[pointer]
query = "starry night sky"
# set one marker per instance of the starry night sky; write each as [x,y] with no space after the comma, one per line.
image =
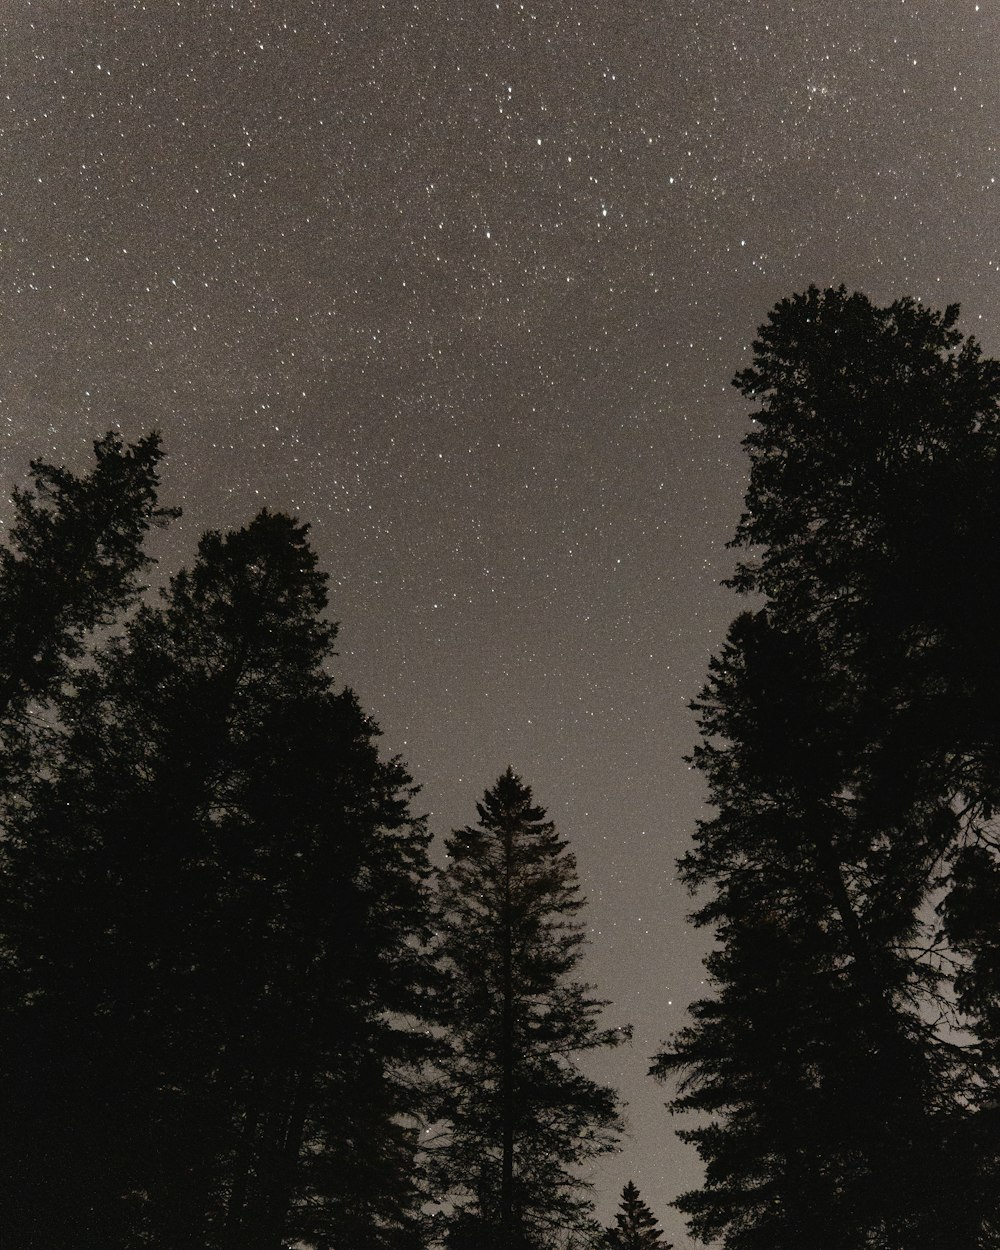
[463,284]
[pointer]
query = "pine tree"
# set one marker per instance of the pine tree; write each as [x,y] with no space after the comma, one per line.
[844,731]
[519,1114]
[216,905]
[73,554]
[635,1226]
[71,561]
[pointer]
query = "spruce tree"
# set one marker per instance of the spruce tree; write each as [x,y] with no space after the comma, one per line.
[635,1226]
[518,1113]
[845,744]
[215,906]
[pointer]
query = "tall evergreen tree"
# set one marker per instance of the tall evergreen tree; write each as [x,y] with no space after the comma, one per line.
[71,562]
[215,906]
[635,1226]
[844,736]
[520,1115]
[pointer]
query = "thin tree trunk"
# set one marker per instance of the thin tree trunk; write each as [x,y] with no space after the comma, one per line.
[507,1060]
[901,1086]
[278,1186]
[870,982]
[243,1166]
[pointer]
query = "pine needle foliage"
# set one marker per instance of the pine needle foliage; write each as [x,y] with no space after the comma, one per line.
[213,909]
[520,1117]
[635,1226]
[848,742]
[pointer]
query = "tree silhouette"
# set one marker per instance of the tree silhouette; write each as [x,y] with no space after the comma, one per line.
[215,904]
[73,554]
[72,557]
[518,1112]
[843,730]
[635,1226]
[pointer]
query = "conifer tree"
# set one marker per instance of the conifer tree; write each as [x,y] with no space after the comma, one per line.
[215,906]
[635,1226]
[71,561]
[845,741]
[519,1114]
[74,550]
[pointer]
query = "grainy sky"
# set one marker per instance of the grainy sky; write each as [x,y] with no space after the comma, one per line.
[463,284]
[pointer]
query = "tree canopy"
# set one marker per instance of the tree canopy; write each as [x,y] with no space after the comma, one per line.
[214,911]
[846,734]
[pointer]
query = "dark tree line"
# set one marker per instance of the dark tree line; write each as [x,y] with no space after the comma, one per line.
[231,1002]
[846,1064]
[239,1009]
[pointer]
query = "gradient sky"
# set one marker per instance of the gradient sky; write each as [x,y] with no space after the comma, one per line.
[463,284]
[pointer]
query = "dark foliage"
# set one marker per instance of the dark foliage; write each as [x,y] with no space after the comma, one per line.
[635,1226]
[71,561]
[518,1114]
[212,906]
[848,738]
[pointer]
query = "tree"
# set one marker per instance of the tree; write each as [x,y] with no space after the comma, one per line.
[71,562]
[635,1226]
[519,1115]
[215,906]
[844,740]
[73,554]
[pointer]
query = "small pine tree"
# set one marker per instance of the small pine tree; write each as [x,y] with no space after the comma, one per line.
[521,1116]
[635,1226]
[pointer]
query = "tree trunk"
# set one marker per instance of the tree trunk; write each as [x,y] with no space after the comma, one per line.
[268,1214]
[507,1058]
[243,1168]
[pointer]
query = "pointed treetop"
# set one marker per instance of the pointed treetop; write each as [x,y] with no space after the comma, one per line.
[510,797]
[635,1225]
